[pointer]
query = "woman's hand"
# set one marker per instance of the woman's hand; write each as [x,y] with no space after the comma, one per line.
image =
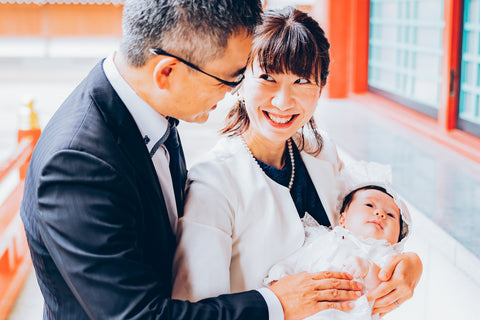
[305,294]
[400,277]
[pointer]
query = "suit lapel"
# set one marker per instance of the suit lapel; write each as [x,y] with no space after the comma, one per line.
[128,136]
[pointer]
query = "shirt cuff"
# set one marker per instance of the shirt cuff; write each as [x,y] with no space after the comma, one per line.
[275,310]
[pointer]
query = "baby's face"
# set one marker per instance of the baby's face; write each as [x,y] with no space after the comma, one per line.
[372,214]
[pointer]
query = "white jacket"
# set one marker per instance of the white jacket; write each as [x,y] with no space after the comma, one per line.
[238,222]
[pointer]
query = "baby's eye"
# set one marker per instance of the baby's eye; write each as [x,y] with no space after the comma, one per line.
[302,81]
[369,205]
[390,215]
[266,77]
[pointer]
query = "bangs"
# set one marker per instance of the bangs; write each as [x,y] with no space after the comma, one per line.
[289,49]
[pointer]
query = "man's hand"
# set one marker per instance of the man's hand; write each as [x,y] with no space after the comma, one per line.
[305,294]
[400,277]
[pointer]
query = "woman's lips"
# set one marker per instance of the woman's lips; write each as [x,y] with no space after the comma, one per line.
[278,120]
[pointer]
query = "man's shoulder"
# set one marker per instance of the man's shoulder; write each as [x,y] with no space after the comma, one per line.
[90,121]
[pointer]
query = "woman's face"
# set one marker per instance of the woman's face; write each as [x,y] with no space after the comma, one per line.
[278,104]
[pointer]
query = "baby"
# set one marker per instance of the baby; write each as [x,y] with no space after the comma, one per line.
[373,225]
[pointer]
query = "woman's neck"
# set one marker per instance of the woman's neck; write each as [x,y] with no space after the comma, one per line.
[269,152]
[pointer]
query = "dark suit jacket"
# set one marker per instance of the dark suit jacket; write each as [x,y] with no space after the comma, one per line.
[96,221]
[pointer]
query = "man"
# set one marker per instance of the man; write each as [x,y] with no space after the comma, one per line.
[105,184]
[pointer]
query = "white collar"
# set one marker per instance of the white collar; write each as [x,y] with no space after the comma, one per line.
[150,123]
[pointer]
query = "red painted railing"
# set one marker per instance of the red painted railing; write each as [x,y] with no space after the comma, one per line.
[15,261]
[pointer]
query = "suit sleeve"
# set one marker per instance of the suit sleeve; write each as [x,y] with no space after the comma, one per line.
[88,226]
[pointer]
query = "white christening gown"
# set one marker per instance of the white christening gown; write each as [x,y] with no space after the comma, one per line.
[330,250]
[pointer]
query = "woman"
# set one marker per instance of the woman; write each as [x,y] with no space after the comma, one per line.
[246,198]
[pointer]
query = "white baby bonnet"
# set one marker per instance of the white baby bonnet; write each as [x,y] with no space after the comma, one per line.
[360,174]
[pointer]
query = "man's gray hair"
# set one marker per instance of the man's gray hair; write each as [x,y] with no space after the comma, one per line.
[196,30]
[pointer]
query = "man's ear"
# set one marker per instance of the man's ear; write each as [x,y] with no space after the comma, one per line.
[341,219]
[163,72]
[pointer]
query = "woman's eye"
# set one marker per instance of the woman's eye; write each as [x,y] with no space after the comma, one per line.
[302,81]
[266,77]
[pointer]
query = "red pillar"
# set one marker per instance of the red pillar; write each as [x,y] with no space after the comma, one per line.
[447,115]
[360,17]
[346,25]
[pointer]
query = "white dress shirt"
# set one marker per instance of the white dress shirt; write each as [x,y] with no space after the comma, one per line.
[153,126]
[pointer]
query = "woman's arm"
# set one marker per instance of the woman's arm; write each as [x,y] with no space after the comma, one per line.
[201,266]
[400,277]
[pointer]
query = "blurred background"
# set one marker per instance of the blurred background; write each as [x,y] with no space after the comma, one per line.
[404,90]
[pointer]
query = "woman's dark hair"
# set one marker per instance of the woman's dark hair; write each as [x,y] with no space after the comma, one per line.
[349,198]
[288,41]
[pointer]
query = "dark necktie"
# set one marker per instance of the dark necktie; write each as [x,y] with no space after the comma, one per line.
[178,170]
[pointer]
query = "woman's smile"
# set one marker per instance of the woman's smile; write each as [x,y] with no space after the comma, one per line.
[278,120]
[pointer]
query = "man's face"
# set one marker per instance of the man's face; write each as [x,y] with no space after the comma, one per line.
[199,92]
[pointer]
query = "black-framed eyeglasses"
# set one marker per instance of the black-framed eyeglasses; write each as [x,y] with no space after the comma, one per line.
[231,84]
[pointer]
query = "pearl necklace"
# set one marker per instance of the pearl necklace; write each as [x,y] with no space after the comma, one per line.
[290,152]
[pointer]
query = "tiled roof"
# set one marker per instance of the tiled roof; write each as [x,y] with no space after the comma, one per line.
[40,2]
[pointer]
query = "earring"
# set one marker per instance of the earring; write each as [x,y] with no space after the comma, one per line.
[240,100]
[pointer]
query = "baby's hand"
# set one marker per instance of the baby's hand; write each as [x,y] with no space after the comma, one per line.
[362,268]
[358,267]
